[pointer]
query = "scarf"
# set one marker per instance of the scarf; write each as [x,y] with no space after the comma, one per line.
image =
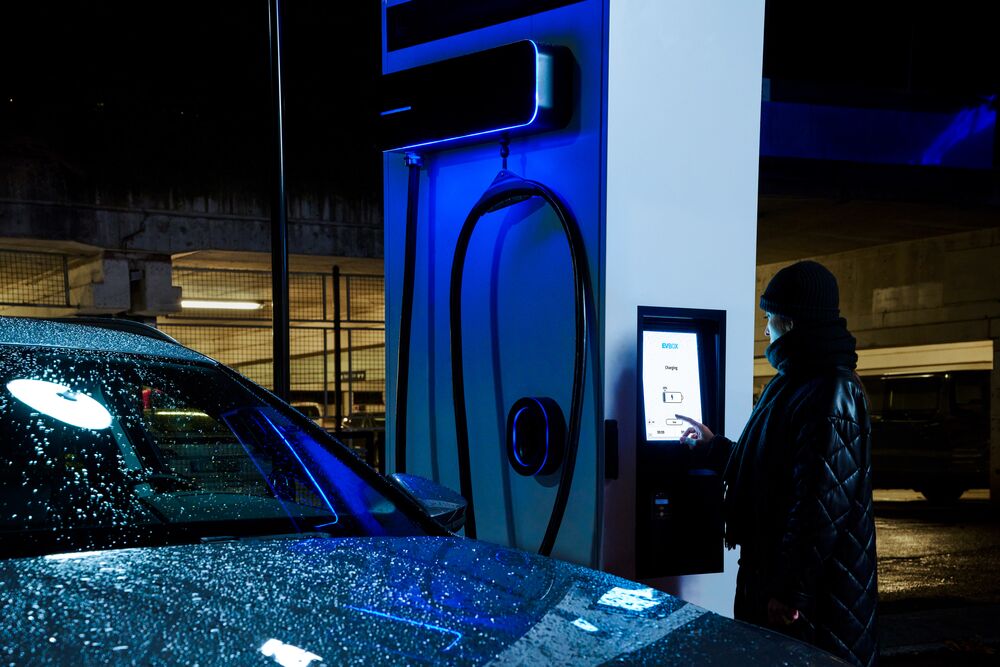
[811,348]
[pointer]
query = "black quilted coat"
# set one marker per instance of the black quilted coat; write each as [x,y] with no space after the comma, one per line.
[799,499]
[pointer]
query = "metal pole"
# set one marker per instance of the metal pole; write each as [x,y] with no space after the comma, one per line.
[326,360]
[337,349]
[326,377]
[65,268]
[279,215]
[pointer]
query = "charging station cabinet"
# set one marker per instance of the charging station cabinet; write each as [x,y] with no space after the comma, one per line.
[650,141]
[681,370]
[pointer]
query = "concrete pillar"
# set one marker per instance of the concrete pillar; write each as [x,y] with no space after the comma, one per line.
[113,283]
[153,292]
[99,286]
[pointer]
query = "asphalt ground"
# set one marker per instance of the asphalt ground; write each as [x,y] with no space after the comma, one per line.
[939,579]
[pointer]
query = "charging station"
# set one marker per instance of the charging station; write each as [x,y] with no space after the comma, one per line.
[563,178]
[681,371]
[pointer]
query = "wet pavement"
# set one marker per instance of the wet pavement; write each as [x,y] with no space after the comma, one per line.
[939,579]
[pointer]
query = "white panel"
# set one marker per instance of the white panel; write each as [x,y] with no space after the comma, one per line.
[684,82]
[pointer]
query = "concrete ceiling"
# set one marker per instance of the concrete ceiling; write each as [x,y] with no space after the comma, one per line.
[809,208]
[790,228]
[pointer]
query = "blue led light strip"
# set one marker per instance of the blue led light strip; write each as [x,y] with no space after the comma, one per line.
[545,459]
[397,110]
[458,635]
[264,475]
[514,437]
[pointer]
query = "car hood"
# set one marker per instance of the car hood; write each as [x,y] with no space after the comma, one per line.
[307,602]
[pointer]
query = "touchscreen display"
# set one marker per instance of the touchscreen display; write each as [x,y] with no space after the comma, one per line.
[671,382]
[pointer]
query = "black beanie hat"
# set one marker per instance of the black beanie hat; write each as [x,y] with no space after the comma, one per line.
[803,291]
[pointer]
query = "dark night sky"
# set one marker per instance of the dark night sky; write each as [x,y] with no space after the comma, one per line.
[154,91]
[139,94]
[896,53]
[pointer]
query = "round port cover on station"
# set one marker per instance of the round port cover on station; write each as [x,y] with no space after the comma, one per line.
[536,436]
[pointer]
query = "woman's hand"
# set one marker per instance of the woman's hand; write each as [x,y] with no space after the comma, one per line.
[779,613]
[696,434]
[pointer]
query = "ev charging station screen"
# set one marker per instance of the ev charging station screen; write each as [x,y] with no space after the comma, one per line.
[671,383]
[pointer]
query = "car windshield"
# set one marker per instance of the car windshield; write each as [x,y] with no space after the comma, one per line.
[912,398]
[103,450]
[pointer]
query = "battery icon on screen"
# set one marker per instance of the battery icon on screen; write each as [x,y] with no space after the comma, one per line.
[672,396]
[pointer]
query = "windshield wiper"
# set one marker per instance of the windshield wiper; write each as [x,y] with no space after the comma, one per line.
[209,539]
[162,482]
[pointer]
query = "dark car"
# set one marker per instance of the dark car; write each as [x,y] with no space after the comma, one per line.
[365,420]
[931,432]
[157,508]
[364,432]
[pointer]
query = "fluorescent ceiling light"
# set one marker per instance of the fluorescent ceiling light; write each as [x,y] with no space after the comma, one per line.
[221,305]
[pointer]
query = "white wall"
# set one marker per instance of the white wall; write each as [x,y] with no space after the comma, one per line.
[683,122]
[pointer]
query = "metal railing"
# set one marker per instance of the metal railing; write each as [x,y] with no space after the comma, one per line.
[336,340]
[33,279]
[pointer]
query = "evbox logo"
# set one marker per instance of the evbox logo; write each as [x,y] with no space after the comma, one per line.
[670,346]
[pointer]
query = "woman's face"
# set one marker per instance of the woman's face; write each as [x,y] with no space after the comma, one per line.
[775,326]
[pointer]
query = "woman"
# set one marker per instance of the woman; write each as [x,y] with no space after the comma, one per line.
[798,480]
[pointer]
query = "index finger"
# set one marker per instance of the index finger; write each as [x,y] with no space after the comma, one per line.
[687,419]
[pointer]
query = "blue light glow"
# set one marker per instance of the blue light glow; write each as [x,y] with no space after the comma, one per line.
[397,110]
[545,459]
[308,472]
[967,124]
[538,77]
[456,634]
[264,475]
[962,138]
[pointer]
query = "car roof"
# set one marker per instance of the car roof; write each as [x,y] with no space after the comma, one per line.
[127,338]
